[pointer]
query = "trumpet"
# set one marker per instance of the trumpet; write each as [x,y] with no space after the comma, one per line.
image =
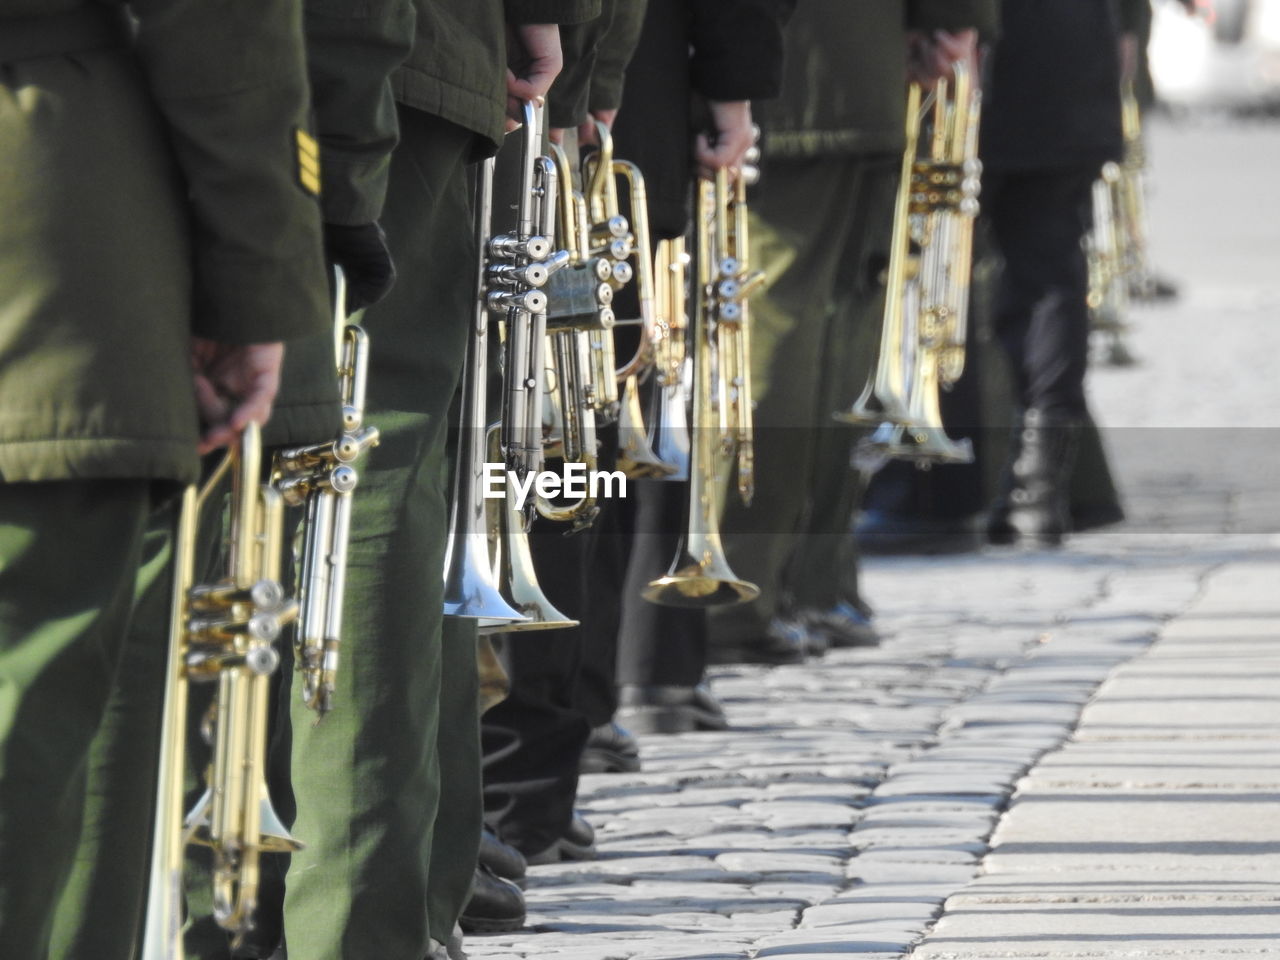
[1116,246]
[700,575]
[636,454]
[222,632]
[322,478]
[922,345]
[488,568]
[668,423]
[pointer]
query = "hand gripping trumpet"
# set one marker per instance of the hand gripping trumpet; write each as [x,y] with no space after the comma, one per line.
[922,344]
[322,479]
[700,575]
[222,632]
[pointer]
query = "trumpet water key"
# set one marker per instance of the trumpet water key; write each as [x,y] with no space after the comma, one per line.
[222,632]
[322,479]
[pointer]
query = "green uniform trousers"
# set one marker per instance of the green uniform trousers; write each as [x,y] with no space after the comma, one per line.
[71,556]
[387,786]
[820,230]
[385,791]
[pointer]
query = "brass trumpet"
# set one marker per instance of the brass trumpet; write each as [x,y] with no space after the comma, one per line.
[322,479]
[700,575]
[221,632]
[668,422]
[636,454]
[923,338]
[1116,246]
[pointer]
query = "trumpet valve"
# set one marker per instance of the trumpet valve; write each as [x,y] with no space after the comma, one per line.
[507,247]
[533,274]
[622,273]
[533,301]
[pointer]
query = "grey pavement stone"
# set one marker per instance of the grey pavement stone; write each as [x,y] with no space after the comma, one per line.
[1123,929]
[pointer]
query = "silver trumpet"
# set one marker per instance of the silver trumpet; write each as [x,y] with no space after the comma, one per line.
[488,567]
[470,589]
[322,479]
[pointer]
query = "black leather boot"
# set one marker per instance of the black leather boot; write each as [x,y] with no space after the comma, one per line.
[496,905]
[1032,508]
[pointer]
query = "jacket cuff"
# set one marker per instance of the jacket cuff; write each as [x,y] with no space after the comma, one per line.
[352,191]
[551,11]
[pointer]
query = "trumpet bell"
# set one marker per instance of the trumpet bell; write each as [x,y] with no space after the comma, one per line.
[636,457]
[870,409]
[695,586]
[700,577]
[922,445]
[274,836]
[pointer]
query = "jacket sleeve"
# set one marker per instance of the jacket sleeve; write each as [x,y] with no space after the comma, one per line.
[580,44]
[614,54]
[1135,16]
[551,11]
[737,47]
[953,15]
[352,49]
[230,80]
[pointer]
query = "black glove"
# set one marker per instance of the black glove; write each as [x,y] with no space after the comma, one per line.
[361,251]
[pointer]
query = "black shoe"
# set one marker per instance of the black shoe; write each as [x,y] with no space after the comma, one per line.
[881,534]
[843,625]
[577,843]
[496,905]
[503,859]
[784,641]
[610,749]
[659,709]
[1153,289]
[1033,507]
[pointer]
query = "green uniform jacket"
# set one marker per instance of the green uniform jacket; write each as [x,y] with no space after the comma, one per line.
[152,187]
[844,80]
[458,67]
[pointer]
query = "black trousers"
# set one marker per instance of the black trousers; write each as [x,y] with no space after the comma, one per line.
[1039,219]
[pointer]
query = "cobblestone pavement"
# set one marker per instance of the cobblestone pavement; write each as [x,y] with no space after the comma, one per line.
[857,795]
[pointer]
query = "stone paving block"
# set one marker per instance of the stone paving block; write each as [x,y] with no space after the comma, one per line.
[1131,829]
[824,943]
[1117,929]
[902,853]
[807,894]
[1099,885]
[904,913]
[773,862]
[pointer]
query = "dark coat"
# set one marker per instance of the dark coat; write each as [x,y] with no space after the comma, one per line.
[1052,97]
[719,49]
[155,183]
[457,70]
[844,82]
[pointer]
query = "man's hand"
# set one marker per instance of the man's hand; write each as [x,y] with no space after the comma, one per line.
[732,135]
[534,60]
[931,57]
[361,251]
[587,134]
[234,383]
